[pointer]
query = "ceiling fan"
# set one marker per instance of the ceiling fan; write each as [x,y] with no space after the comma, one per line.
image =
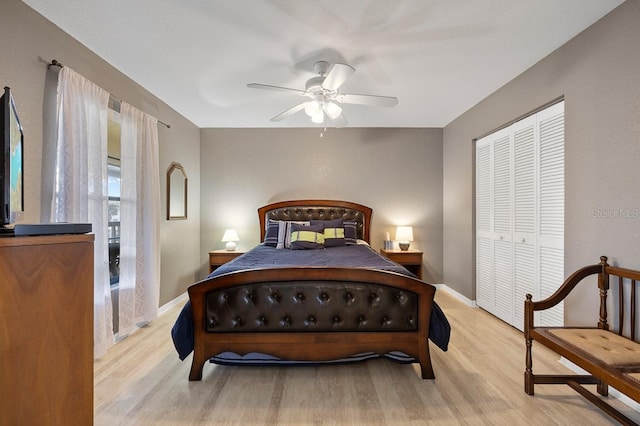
[324,96]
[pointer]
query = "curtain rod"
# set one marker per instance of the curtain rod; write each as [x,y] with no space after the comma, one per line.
[55,63]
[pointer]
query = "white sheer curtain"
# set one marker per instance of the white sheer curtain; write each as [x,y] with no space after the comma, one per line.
[80,182]
[77,185]
[139,219]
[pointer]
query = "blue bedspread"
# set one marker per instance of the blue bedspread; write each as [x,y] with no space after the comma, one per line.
[359,256]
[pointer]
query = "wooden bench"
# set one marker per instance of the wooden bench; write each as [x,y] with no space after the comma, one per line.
[610,353]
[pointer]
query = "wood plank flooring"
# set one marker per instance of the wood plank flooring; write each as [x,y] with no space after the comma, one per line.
[479,381]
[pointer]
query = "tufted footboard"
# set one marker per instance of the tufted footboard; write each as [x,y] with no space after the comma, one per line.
[311,314]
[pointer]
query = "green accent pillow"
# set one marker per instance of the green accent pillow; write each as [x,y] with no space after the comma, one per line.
[333,232]
[284,233]
[306,237]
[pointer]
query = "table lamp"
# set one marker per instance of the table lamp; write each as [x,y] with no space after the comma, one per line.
[404,236]
[230,237]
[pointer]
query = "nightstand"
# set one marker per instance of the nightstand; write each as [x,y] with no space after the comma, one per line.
[410,259]
[220,257]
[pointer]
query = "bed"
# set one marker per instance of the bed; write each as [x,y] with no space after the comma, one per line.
[313,291]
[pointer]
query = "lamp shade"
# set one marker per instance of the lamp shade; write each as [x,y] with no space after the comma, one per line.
[404,233]
[230,237]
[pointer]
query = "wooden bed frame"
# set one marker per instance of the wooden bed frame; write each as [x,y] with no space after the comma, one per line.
[313,345]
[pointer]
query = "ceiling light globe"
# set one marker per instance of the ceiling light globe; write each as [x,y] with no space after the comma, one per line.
[333,110]
[311,108]
[318,117]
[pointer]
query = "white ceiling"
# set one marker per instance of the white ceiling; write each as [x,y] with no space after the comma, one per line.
[438,57]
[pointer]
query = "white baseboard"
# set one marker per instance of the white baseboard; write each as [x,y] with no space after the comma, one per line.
[459,296]
[161,310]
[180,300]
[615,393]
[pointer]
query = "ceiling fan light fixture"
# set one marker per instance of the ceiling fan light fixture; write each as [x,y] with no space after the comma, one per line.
[318,117]
[311,108]
[333,110]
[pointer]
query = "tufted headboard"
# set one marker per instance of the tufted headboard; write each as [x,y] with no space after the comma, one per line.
[319,210]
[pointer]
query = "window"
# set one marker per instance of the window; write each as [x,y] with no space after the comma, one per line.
[113,231]
[113,192]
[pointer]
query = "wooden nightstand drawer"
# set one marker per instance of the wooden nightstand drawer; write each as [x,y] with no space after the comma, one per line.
[220,257]
[410,259]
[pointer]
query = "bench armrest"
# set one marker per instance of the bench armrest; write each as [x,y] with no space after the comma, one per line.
[563,291]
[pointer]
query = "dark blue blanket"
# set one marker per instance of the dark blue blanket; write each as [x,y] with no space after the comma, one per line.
[360,256]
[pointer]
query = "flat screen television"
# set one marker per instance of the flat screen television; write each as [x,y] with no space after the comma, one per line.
[11,162]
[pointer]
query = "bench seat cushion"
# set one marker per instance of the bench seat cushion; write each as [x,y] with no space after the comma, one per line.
[634,376]
[603,345]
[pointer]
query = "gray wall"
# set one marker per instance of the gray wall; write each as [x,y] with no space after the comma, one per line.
[397,172]
[26,41]
[597,72]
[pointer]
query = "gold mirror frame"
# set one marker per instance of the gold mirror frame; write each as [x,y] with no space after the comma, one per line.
[176,192]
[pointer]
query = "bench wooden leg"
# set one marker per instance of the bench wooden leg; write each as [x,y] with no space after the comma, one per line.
[602,388]
[528,372]
[528,383]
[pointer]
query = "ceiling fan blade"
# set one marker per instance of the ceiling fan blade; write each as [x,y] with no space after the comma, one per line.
[338,74]
[373,100]
[289,112]
[276,88]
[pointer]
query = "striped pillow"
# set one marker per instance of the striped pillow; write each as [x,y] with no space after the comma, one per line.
[271,234]
[306,237]
[284,232]
[350,233]
[333,232]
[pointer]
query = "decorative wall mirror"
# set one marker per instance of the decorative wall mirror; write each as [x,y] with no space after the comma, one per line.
[176,192]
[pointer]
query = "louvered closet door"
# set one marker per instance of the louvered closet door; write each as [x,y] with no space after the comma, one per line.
[484,238]
[502,232]
[494,290]
[524,215]
[551,210]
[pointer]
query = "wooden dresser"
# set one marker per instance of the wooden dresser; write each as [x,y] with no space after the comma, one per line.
[46,330]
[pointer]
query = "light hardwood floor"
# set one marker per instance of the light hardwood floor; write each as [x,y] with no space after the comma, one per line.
[479,381]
